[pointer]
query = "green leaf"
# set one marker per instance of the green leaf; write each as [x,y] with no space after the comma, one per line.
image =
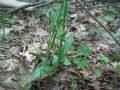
[12,49]
[53,17]
[7,46]
[103,58]
[42,72]
[85,49]
[67,62]
[110,9]
[81,63]
[67,45]
[108,18]
[98,73]
[117,68]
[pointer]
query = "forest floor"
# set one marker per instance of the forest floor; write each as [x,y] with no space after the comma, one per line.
[24,41]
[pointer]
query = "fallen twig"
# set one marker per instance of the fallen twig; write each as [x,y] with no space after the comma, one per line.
[83,7]
[101,6]
[35,5]
[23,7]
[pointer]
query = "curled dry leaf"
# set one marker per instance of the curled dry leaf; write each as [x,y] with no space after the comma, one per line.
[86,73]
[28,57]
[81,27]
[69,53]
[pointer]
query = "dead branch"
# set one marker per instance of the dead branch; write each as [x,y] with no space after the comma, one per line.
[34,5]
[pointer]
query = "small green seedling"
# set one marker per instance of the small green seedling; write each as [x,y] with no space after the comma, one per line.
[98,73]
[110,10]
[67,62]
[85,49]
[80,63]
[117,68]
[103,58]
[57,25]
[109,18]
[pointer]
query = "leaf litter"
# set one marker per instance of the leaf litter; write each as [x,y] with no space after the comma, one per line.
[99,74]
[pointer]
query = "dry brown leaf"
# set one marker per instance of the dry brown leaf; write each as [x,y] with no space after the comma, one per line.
[86,72]
[28,57]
